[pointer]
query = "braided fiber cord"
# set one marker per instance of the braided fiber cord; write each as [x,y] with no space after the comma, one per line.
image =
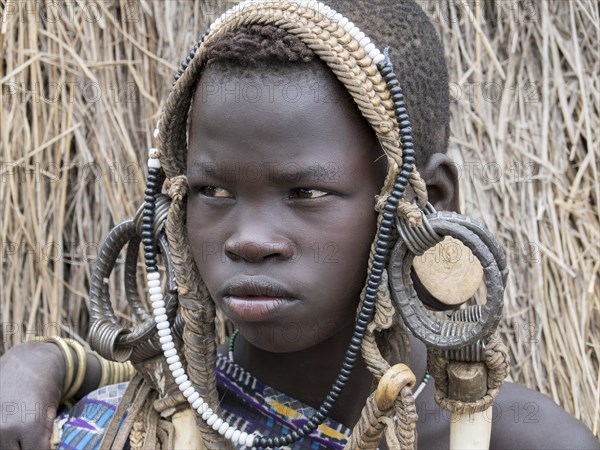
[137,435]
[198,311]
[496,361]
[383,319]
[373,421]
[149,430]
[143,434]
[356,71]
[369,428]
[394,342]
[391,408]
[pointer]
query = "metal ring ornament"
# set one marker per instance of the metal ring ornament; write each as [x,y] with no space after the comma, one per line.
[473,352]
[103,336]
[423,323]
[130,281]
[107,336]
[419,239]
[137,308]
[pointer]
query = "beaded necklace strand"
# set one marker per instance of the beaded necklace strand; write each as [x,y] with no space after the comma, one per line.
[235,334]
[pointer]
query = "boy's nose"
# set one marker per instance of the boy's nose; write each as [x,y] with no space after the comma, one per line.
[254,245]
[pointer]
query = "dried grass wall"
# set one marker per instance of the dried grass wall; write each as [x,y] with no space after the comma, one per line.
[81,89]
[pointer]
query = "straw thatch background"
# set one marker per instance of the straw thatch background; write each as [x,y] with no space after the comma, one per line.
[81,89]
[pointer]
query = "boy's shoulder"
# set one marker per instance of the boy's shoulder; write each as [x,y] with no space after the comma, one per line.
[521,419]
[528,419]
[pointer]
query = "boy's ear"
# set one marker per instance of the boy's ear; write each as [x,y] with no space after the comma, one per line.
[441,175]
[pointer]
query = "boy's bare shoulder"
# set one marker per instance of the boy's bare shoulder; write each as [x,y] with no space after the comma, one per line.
[521,419]
[527,419]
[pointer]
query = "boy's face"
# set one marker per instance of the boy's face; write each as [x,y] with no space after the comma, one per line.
[280,209]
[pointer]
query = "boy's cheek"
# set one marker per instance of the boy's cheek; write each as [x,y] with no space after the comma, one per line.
[206,251]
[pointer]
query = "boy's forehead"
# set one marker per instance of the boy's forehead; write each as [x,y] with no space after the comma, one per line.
[297,114]
[293,84]
[289,103]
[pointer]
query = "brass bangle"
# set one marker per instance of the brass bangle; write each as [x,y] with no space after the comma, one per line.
[67,356]
[113,372]
[128,371]
[121,372]
[116,372]
[81,368]
[89,351]
[106,371]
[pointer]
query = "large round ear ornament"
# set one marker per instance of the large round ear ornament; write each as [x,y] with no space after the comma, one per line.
[463,252]
[466,361]
[447,275]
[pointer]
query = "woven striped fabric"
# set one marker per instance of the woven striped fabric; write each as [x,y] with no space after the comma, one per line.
[250,405]
[82,427]
[246,403]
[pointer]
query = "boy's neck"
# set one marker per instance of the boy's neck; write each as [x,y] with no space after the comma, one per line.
[307,375]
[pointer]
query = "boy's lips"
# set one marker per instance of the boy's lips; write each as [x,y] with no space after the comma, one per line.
[256,299]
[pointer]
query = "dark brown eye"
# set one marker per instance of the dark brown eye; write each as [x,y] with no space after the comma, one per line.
[216,192]
[306,193]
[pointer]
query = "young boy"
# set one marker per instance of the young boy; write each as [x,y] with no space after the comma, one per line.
[282,174]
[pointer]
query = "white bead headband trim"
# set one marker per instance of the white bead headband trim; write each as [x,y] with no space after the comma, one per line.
[370,48]
[153,279]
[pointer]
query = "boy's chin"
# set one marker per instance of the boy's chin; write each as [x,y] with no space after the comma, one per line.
[294,337]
